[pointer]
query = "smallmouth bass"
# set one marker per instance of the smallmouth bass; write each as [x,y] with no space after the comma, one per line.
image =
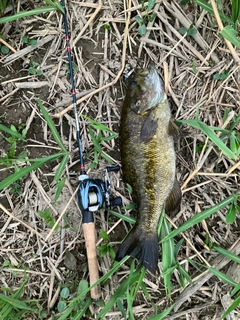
[148,163]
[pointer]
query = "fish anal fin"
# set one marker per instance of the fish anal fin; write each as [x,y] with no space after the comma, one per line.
[173,202]
[173,129]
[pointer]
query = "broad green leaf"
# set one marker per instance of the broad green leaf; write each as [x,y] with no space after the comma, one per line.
[139,19]
[82,286]
[230,34]
[4,49]
[151,4]
[80,297]
[61,306]
[104,235]
[142,29]
[64,293]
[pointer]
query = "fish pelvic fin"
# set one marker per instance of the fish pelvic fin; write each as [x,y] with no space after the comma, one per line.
[140,245]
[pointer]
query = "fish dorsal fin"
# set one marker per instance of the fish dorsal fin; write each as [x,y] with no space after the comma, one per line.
[173,129]
[149,129]
[172,204]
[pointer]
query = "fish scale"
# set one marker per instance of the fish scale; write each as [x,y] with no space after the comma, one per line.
[148,162]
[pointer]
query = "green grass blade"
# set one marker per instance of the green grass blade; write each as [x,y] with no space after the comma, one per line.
[23,171]
[163,314]
[99,125]
[11,132]
[51,126]
[168,256]
[122,216]
[44,159]
[119,293]
[83,309]
[184,273]
[230,34]
[236,289]
[201,216]
[228,254]
[106,157]
[15,302]
[23,14]
[206,6]
[61,168]
[222,276]
[232,307]
[235,10]
[18,175]
[59,186]
[208,131]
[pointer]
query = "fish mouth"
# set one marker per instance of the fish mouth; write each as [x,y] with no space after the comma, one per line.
[143,72]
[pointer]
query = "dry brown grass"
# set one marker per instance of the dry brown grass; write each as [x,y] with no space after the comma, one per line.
[102,57]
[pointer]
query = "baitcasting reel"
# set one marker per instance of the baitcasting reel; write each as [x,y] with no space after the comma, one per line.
[94,193]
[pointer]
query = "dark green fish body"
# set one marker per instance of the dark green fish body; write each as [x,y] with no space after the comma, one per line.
[148,162]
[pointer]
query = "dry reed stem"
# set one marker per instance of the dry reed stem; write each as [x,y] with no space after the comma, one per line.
[19,220]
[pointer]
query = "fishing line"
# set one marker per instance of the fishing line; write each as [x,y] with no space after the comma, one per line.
[73,91]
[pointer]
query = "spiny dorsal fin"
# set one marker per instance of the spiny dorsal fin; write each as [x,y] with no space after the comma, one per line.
[172,204]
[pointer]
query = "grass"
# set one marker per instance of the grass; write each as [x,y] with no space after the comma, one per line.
[218,151]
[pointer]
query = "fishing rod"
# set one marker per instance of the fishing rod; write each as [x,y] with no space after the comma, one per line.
[92,193]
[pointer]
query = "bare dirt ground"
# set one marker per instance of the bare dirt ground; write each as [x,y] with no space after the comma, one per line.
[187,65]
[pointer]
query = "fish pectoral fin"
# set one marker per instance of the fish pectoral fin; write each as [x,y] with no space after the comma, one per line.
[173,202]
[149,129]
[173,129]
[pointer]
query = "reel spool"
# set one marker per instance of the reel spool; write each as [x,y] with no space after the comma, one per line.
[94,193]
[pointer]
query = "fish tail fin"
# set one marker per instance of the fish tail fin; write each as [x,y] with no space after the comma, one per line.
[140,245]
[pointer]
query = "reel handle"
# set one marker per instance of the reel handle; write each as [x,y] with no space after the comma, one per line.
[90,243]
[113,168]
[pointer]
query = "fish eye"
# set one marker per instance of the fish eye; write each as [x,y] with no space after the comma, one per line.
[138,103]
[133,84]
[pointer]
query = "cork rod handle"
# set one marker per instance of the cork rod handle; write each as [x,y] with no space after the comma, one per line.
[90,243]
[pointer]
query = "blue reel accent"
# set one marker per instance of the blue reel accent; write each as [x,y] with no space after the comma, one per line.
[87,186]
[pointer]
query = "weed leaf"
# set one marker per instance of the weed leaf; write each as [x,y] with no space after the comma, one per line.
[200,217]
[230,34]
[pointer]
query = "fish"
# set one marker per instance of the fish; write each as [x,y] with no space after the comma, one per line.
[148,163]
